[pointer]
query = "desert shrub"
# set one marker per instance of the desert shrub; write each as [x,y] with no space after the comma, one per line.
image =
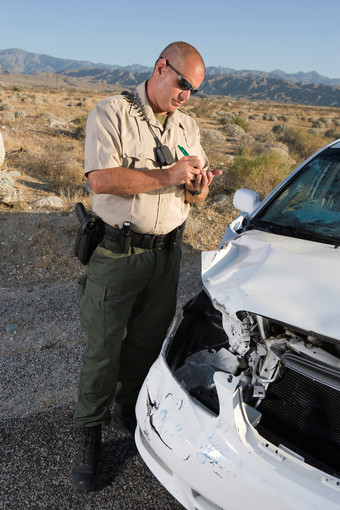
[225,120]
[53,162]
[324,120]
[301,142]
[262,137]
[80,122]
[280,129]
[6,107]
[20,114]
[8,119]
[46,116]
[270,117]
[255,117]
[241,121]
[260,173]
[333,133]
[233,131]
[250,145]
[218,114]
[318,124]
[212,136]
[7,187]
[246,145]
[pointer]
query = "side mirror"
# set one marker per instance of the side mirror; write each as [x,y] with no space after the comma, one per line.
[246,200]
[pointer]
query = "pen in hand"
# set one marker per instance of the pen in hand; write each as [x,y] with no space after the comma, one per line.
[185,154]
[214,172]
[183,150]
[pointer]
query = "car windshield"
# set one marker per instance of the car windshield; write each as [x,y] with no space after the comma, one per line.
[308,206]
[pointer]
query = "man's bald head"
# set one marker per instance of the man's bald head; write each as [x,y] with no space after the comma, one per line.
[179,53]
[178,61]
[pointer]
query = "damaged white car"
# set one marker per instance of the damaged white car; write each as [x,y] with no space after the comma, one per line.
[242,407]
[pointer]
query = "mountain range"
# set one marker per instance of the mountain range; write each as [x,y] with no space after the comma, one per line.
[303,88]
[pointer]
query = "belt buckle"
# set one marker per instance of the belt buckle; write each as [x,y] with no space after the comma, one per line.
[161,241]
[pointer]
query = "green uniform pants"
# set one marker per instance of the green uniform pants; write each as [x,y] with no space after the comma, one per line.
[127,302]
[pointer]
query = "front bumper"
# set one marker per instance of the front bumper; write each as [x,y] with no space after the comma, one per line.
[210,462]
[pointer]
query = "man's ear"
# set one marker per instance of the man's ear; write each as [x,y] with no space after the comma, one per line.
[161,66]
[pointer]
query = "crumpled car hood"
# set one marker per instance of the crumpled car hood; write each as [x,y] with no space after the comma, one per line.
[291,280]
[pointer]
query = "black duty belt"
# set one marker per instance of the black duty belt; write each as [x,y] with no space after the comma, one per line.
[147,241]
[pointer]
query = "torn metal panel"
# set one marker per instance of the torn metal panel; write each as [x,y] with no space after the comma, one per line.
[294,281]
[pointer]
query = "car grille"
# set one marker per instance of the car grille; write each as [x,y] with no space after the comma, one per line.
[304,415]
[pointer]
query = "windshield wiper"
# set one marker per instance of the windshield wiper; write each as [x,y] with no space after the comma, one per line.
[293,231]
[314,235]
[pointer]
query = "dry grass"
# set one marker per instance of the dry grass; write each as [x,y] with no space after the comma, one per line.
[54,162]
[43,131]
[207,223]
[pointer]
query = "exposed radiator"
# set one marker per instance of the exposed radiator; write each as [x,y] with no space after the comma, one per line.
[303,415]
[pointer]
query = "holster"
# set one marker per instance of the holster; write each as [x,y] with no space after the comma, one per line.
[89,235]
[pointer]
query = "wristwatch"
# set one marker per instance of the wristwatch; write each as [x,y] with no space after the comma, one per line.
[194,193]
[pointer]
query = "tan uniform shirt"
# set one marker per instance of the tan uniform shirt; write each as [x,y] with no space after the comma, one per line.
[116,136]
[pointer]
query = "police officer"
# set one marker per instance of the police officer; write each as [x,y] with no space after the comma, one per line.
[143,186]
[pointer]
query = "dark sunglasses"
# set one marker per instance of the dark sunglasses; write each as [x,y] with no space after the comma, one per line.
[183,83]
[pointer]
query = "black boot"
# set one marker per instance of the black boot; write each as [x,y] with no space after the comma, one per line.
[124,418]
[86,466]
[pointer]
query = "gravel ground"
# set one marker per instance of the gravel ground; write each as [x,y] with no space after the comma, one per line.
[41,346]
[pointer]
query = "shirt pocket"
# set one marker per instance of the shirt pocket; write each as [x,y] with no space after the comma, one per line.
[139,159]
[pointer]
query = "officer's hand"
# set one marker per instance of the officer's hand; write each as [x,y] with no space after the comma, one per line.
[185,170]
[199,188]
[202,180]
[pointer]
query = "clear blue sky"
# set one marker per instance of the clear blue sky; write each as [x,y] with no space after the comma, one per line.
[291,35]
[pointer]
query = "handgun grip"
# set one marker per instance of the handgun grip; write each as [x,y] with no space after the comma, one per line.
[80,212]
